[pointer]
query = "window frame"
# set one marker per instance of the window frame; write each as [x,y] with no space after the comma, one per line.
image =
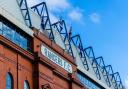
[26,84]
[9,76]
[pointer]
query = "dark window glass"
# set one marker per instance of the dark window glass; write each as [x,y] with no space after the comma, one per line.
[17,38]
[1,28]
[24,42]
[7,32]
[26,85]
[12,33]
[9,81]
[88,83]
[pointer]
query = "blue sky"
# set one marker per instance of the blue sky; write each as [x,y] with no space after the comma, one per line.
[102,24]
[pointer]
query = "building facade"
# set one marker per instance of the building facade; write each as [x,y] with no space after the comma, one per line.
[38,54]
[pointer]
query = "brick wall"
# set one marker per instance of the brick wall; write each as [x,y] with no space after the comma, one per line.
[34,67]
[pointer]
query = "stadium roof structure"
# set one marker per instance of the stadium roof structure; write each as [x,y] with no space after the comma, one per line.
[38,17]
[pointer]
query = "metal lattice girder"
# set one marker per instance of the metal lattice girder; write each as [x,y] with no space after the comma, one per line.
[118,82]
[114,77]
[78,43]
[60,26]
[109,69]
[90,53]
[110,74]
[42,11]
[101,64]
[24,9]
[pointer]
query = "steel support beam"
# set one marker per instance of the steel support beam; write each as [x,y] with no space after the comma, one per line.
[42,11]
[25,12]
[78,43]
[103,70]
[60,26]
[118,83]
[90,54]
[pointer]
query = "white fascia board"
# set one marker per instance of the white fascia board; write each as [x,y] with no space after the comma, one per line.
[15,21]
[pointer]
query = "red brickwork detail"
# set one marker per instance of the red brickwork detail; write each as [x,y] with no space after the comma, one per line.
[40,72]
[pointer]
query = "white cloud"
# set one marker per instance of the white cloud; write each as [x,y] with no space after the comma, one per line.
[126,82]
[53,5]
[61,7]
[64,6]
[53,18]
[76,14]
[32,2]
[95,18]
[58,5]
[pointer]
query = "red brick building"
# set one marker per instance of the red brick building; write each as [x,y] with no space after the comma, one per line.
[34,56]
[35,68]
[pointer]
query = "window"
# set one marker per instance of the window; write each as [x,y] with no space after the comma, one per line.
[86,81]
[26,85]
[0,27]
[14,34]
[9,81]
[7,32]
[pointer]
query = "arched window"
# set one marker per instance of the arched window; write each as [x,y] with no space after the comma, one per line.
[9,81]
[26,85]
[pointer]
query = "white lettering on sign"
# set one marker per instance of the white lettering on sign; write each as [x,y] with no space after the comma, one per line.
[56,59]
